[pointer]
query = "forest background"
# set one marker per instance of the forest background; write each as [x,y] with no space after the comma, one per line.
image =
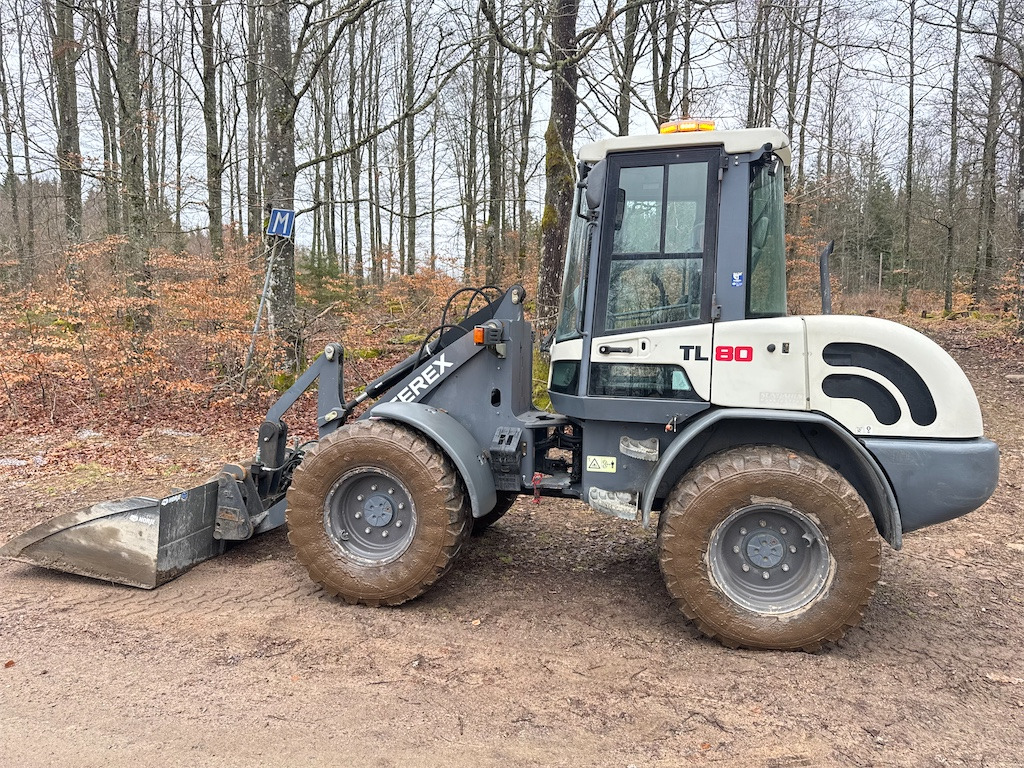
[429,145]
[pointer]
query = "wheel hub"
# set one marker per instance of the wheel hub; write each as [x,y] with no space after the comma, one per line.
[769,558]
[765,550]
[378,510]
[369,516]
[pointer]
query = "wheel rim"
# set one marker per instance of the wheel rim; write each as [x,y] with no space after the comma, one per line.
[770,559]
[369,516]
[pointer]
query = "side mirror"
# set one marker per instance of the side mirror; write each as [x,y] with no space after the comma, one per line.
[595,185]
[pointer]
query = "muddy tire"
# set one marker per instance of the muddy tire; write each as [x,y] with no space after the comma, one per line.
[763,547]
[376,513]
[505,502]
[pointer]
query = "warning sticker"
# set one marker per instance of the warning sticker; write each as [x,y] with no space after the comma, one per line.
[600,463]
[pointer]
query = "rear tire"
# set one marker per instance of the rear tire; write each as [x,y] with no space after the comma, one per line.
[763,547]
[506,500]
[376,513]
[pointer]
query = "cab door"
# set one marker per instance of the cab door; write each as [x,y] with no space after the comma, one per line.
[652,329]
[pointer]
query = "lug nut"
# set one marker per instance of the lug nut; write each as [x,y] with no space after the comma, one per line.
[398,524]
[764,575]
[368,529]
[401,506]
[785,567]
[736,550]
[782,531]
[743,531]
[762,523]
[384,534]
[373,487]
[746,567]
[391,490]
[358,515]
[792,548]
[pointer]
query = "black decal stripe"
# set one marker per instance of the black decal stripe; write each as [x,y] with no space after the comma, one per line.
[868,391]
[883,362]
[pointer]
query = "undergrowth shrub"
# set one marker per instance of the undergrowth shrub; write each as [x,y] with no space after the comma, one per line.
[73,351]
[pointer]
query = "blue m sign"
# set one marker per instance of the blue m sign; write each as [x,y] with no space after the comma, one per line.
[280,222]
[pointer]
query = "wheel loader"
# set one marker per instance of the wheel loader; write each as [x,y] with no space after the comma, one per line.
[774,452]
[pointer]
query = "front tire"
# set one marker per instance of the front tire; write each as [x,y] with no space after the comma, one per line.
[376,513]
[763,547]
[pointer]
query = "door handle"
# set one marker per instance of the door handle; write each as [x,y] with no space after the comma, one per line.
[604,349]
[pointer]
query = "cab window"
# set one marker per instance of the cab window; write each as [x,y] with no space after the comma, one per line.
[658,239]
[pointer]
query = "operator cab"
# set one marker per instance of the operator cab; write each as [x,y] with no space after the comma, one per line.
[671,233]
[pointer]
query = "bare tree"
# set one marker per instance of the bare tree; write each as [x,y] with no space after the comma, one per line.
[207,39]
[66,51]
[985,254]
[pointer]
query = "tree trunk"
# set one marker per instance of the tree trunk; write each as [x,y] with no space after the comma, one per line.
[279,84]
[66,51]
[952,190]
[493,110]
[662,49]
[132,167]
[410,141]
[984,256]
[559,170]
[30,210]
[107,111]
[623,65]
[329,209]
[209,9]
[11,182]
[149,118]
[355,159]
[527,88]
[253,60]
[908,211]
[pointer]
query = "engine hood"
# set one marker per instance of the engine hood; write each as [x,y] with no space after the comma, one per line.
[878,377]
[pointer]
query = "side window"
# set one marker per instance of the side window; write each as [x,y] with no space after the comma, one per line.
[657,246]
[766,258]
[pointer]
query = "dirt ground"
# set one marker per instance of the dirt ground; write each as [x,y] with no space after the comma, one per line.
[552,642]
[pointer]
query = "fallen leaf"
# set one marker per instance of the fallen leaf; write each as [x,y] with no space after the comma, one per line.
[476,622]
[9,663]
[705,746]
[933,594]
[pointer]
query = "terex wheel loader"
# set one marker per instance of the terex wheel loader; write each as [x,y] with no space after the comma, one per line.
[776,451]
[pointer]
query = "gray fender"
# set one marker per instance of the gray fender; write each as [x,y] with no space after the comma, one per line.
[885,506]
[457,443]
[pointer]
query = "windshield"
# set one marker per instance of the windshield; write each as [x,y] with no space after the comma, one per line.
[766,258]
[580,229]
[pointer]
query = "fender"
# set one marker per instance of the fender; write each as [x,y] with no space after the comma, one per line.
[456,442]
[883,504]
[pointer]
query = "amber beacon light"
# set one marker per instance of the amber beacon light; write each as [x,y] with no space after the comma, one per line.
[686,125]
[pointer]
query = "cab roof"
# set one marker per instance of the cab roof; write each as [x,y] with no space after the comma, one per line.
[734,142]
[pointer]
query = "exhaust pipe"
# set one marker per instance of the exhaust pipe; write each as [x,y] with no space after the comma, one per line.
[826,284]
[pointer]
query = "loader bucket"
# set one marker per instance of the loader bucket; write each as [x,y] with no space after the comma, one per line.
[137,541]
